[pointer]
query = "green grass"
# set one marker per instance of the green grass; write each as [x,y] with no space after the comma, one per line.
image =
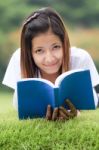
[81,133]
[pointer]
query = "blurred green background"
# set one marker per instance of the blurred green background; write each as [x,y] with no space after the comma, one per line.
[80,16]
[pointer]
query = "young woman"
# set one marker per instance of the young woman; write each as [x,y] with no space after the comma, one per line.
[45,52]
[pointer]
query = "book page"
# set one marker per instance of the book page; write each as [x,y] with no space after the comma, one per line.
[38,79]
[63,75]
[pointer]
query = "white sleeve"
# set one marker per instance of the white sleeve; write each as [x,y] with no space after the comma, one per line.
[81,59]
[13,74]
[15,101]
[89,64]
[96,98]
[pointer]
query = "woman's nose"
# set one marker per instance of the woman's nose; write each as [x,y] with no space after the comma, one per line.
[49,56]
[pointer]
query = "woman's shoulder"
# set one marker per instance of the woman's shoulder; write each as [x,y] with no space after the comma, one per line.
[79,58]
[13,74]
[15,56]
[78,52]
[16,53]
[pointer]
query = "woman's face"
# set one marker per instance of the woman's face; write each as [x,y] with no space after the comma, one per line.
[47,52]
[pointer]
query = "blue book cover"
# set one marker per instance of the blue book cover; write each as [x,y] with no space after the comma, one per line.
[34,94]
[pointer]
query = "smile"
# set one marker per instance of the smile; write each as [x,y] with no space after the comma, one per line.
[50,65]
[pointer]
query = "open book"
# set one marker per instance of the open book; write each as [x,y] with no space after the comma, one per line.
[34,94]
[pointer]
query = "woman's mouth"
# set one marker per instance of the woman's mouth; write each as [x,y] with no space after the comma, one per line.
[50,65]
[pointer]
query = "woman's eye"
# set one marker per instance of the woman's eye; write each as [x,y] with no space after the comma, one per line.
[39,51]
[57,47]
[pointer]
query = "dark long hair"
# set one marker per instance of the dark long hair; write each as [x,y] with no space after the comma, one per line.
[38,22]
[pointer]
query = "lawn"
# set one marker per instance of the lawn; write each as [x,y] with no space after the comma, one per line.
[81,133]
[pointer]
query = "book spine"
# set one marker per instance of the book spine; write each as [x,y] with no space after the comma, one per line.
[56,97]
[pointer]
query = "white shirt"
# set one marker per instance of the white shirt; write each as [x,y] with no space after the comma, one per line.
[79,59]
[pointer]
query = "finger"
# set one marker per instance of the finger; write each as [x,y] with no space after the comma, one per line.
[62,115]
[73,109]
[55,114]
[49,113]
[64,110]
[60,118]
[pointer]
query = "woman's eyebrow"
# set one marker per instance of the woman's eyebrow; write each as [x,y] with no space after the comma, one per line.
[38,47]
[56,43]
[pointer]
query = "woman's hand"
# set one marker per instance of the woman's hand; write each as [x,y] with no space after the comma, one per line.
[67,114]
[52,115]
[61,113]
